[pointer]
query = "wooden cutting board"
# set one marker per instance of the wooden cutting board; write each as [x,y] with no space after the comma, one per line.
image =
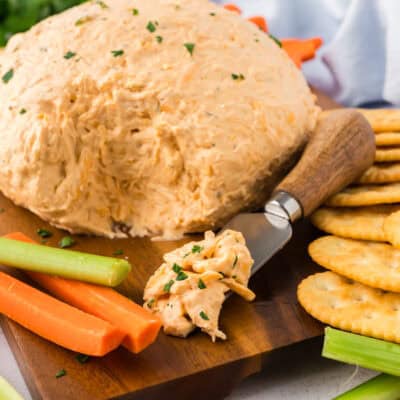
[194,368]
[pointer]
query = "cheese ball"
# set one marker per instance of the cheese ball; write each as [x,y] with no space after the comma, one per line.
[147,118]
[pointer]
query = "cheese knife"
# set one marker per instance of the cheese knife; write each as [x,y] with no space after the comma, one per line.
[340,149]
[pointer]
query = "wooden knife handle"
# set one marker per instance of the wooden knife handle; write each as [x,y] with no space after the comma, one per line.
[340,149]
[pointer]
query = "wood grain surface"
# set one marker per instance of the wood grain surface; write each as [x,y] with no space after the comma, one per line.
[172,368]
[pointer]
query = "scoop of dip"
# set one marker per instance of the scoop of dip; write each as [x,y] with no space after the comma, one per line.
[189,288]
[154,117]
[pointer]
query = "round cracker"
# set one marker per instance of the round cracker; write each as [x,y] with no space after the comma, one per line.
[382,120]
[351,306]
[365,223]
[381,173]
[391,228]
[373,264]
[388,139]
[387,154]
[366,195]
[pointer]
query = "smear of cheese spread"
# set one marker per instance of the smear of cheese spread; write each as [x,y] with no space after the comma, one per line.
[189,288]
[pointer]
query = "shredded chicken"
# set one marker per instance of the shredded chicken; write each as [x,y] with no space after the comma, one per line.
[189,288]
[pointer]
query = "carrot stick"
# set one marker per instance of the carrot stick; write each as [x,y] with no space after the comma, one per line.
[300,50]
[56,321]
[140,326]
[233,8]
[260,22]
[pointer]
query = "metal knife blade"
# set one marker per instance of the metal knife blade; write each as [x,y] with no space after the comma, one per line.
[266,233]
[339,150]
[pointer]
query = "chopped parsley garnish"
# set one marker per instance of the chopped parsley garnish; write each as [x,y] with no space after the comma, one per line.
[69,54]
[101,4]
[150,303]
[257,40]
[176,268]
[83,20]
[204,315]
[197,249]
[275,39]
[2,210]
[61,373]
[201,284]
[66,241]
[8,76]
[118,252]
[213,14]
[237,77]
[190,47]
[117,53]
[167,286]
[181,276]
[82,358]
[159,39]
[22,111]
[235,261]
[151,26]
[44,233]
[135,11]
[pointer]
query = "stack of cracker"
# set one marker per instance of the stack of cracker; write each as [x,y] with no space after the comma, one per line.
[361,290]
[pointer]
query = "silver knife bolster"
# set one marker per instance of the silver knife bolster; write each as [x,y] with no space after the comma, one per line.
[283,205]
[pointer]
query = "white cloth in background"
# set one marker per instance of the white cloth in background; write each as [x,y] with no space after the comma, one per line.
[360,60]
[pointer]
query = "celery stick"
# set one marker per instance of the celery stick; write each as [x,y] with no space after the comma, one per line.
[7,392]
[364,351]
[92,268]
[382,387]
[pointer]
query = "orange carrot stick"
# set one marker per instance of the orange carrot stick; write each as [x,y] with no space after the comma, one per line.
[140,326]
[260,22]
[300,50]
[233,8]
[56,321]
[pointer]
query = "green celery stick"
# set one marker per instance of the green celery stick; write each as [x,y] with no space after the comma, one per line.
[7,392]
[364,351]
[382,387]
[107,271]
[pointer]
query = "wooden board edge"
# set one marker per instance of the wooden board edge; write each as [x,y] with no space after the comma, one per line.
[196,386]
[227,377]
[11,338]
